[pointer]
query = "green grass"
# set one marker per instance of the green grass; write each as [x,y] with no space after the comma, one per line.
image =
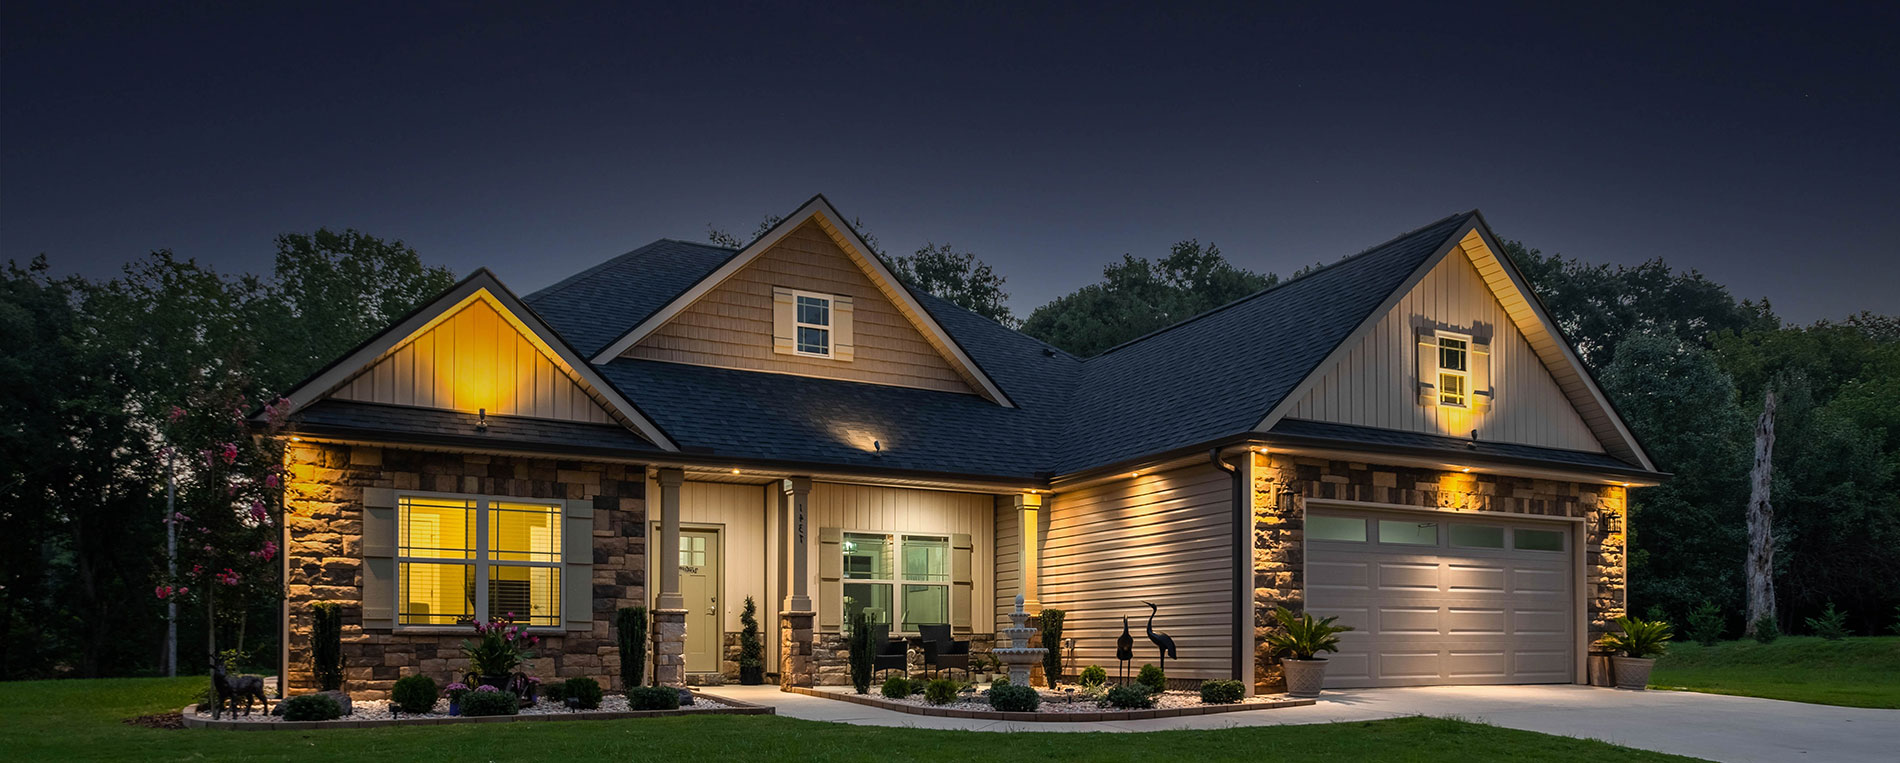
[1854,672]
[81,720]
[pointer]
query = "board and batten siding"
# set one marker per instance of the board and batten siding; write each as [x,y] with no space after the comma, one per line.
[739,512]
[731,325]
[1167,538]
[1376,383]
[475,359]
[867,508]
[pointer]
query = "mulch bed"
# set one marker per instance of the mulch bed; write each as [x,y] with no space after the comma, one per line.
[159,721]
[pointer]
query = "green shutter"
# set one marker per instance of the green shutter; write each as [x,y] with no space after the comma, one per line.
[961,581]
[577,556]
[830,579]
[379,558]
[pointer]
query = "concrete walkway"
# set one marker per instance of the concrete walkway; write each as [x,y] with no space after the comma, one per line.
[1698,725]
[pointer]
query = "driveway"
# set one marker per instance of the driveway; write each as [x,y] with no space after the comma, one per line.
[1706,726]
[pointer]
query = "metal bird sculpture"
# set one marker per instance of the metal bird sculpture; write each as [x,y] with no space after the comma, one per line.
[1125,648]
[1161,641]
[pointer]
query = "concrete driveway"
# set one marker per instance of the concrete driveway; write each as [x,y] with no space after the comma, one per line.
[1706,726]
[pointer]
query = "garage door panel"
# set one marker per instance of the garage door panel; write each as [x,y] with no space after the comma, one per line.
[1466,578]
[1471,665]
[1550,664]
[1460,621]
[1540,622]
[1353,576]
[1358,618]
[1408,621]
[1550,581]
[1407,664]
[1412,576]
[1349,667]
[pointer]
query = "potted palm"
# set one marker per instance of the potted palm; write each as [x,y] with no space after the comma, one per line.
[1634,648]
[1298,643]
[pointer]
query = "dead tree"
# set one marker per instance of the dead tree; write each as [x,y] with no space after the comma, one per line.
[1761,519]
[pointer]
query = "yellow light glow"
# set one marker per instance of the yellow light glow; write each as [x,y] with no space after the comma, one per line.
[1134,474]
[735,471]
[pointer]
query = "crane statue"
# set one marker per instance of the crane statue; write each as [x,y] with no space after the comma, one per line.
[1124,648]
[1161,641]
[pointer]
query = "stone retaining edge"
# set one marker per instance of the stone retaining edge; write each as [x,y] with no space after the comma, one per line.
[736,708]
[997,715]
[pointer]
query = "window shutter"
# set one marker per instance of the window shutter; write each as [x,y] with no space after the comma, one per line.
[961,581]
[1427,367]
[830,578]
[379,558]
[577,562]
[1482,395]
[842,345]
[784,320]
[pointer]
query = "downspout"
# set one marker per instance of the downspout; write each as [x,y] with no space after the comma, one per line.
[1243,567]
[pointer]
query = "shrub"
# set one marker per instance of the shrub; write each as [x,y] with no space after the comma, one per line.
[555,694]
[942,691]
[862,641]
[1639,638]
[653,698]
[584,689]
[630,624]
[1766,630]
[489,700]
[1014,699]
[414,694]
[1051,623]
[1094,675]
[312,707]
[1705,624]
[1831,625]
[1301,637]
[1152,679]
[896,687]
[751,649]
[1222,692]
[1128,698]
[326,645]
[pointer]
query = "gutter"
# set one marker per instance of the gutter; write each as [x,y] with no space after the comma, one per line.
[1242,564]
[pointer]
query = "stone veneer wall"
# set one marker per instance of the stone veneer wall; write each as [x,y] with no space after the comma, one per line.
[1283,484]
[324,513]
[833,658]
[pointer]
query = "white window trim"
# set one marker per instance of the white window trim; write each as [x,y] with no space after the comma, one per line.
[896,583]
[480,561]
[1438,383]
[830,326]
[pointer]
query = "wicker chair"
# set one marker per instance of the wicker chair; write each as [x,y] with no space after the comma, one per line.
[892,654]
[942,652]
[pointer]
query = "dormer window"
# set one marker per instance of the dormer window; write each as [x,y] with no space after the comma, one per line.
[1454,370]
[813,324]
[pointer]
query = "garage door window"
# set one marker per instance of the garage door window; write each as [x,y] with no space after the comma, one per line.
[1349,529]
[1477,536]
[1538,540]
[1408,533]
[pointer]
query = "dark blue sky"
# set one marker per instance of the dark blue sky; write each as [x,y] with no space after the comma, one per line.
[1755,144]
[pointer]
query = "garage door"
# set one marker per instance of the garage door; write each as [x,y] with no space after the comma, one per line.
[1442,600]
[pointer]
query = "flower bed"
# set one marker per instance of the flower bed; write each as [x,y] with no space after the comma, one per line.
[381,713]
[1056,706]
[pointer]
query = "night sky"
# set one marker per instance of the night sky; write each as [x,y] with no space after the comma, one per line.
[1756,145]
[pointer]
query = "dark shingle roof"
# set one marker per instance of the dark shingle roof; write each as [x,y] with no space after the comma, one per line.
[594,307]
[444,427]
[1347,434]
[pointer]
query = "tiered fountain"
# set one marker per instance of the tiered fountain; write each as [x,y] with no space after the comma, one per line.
[1019,655]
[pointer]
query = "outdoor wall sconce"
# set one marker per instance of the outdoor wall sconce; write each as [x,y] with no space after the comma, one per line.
[1609,523]
[481,419]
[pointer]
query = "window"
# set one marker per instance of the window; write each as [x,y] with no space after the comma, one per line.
[1477,536]
[1537,540]
[456,556]
[1335,528]
[902,579]
[1454,370]
[813,325]
[1408,533]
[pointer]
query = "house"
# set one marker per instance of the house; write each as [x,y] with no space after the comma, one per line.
[1402,439]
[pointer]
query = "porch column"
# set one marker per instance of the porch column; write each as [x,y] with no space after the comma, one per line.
[1028,571]
[669,616]
[796,617]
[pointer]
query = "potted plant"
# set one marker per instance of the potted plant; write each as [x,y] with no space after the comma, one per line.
[1298,643]
[455,692]
[1634,648]
[751,648]
[497,649]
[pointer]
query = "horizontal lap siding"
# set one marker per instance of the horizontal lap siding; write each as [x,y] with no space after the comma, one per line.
[1165,538]
[1008,560]
[904,510]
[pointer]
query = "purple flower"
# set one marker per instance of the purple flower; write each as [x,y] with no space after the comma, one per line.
[457,686]
[486,687]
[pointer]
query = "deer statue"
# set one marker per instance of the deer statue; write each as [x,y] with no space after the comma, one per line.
[1162,641]
[231,690]
[1124,648]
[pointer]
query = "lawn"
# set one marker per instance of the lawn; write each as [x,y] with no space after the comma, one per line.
[1854,672]
[81,720]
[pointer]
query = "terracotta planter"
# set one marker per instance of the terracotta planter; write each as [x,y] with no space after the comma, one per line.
[1304,677]
[1632,672]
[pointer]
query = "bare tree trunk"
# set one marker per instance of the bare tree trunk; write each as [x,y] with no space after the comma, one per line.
[1761,520]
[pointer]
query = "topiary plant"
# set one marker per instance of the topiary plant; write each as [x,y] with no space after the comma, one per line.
[583,689]
[1152,679]
[1129,698]
[1831,625]
[1051,624]
[862,642]
[1014,699]
[1093,675]
[414,694]
[653,698]
[630,623]
[488,700]
[751,649]
[942,691]
[1767,630]
[1222,692]
[326,645]
[1705,624]
[896,687]
[312,707]
[1639,638]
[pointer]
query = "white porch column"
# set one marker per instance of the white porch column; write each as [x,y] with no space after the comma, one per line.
[796,506]
[1029,570]
[667,555]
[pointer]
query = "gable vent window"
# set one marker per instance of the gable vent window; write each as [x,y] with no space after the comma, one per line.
[811,325]
[1454,370]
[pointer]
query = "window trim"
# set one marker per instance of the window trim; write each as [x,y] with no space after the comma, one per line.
[1464,376]
[829,326]
[478,560]
[897,581]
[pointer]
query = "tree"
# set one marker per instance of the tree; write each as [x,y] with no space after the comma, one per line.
[957,277]
[1138,296]
[1761,521]
[335,289]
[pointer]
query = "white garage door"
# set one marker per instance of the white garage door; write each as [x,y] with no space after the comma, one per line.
[1442,600]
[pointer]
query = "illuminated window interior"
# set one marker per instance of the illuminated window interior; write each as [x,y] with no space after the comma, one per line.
[445,575]
[1454,370]
[914,592]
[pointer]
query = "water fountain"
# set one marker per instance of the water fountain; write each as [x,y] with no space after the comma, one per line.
[1019,656]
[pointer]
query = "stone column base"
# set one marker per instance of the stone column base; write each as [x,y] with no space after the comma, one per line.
[795,649]
[669,647]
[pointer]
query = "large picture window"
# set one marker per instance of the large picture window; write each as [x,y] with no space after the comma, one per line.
[901,579]
[457,557]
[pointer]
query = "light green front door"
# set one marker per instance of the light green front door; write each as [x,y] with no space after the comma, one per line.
[699,561]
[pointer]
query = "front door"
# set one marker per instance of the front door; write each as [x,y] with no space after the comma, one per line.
[699,585]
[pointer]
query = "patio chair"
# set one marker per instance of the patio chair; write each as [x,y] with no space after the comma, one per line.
[942,652]
[892,654]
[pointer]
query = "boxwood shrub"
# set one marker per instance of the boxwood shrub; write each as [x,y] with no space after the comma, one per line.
[1152,679]
[942,691]
[1093,675]
[584,689]
[896,687]
[1222,692]
[1015,699]
[414,694]
[653,698]
[312,707]
[490,703]
[1129,698]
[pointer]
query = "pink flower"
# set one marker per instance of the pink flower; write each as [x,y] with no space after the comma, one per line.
[229,453]
[272,480]
[182,590]
[534,640]
[162,591]
[176,415]
[179,516]
[257,511]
